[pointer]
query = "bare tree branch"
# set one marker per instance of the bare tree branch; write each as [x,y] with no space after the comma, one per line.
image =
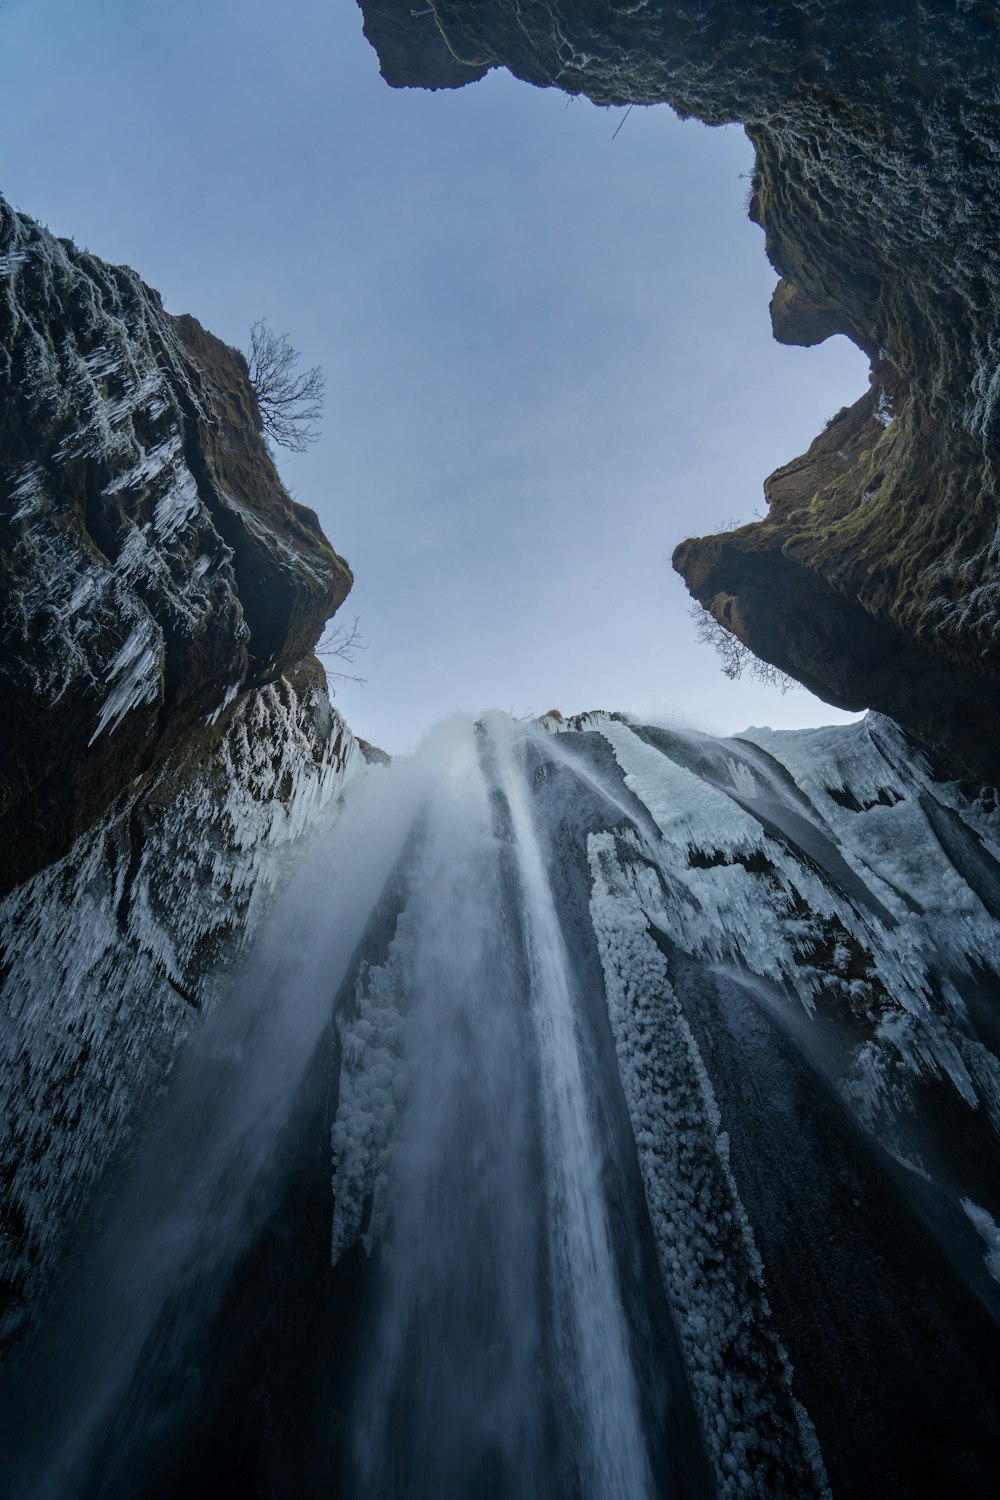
[290,402]
[735,657]
[343,641]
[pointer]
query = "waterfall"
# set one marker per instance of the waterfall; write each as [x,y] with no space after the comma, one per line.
[500,1359]
[500,1319]
[131,1330]
[592,1333]
[587,1102]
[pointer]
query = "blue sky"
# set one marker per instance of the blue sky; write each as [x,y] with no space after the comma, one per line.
[547,351]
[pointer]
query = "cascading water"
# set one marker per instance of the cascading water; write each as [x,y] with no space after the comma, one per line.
[500,1359]
[501,1363]
[119,1369]
[659,1093]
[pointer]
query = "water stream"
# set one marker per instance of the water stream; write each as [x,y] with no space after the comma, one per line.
[471,1140]
[536,1152]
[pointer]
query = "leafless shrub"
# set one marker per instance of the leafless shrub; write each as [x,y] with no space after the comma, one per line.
[290,401]
[342,641]
[736,659]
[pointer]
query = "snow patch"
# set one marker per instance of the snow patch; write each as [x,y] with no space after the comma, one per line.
[27,493]
[10,262]
[178,506]
[152,463]
[228,696]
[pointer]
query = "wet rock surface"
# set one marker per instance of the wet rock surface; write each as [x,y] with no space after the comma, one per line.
[113,954]
[873,579]
[412,52]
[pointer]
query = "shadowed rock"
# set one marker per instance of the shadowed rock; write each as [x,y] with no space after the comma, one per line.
[153,567]
[876,132]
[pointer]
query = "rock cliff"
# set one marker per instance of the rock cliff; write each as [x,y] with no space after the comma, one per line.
[166,731]
[873,579]
[152,565]
[110,955]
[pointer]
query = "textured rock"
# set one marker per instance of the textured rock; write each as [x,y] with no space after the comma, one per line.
[166,731]
[374,756]
[412,53]
[152,565]
[110,955]
[796,319]
[877,132]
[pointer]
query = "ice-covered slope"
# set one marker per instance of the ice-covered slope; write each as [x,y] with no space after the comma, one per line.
[829,865]
[808,937]
[110,955]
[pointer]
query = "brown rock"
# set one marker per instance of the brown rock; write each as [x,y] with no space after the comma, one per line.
[796,319]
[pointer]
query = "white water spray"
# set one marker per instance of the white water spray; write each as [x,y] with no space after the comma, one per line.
[498,1361]
[591,1323]
[500,1310]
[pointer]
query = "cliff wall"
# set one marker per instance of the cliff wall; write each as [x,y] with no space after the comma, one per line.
[873,579]
[110,956]
[152,565]
[166,731]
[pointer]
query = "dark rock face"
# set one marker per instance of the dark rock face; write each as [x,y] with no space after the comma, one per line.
[111,955]
[153,567]
[373,755]
[876,131]
[796,319]
[412,53]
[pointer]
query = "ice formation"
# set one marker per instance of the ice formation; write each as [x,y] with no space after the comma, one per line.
[111,954]
[810,913]
[661,1090]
